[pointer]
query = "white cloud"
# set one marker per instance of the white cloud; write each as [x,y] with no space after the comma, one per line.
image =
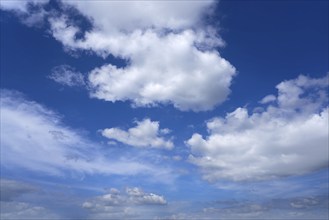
[30,12]
[171,59]
[67,76]
[30,133]
[171,53]
[18,5]
[114,16]
[268,99]
[146,134]
[289,138]
[134,202]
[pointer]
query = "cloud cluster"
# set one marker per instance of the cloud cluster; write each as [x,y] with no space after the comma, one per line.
[170,59]
[146,134]
[67,76]
[131,203]
[31,132]
[287,137]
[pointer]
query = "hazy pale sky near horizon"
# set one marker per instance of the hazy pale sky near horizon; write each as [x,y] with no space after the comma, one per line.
[164,109]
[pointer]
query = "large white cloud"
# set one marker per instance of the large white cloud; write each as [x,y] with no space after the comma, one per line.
[171,53]
[146,134]
[165,70]
[34,138]
[127,16]
[289,137]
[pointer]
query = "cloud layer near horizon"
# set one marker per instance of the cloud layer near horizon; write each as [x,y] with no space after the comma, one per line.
[129,204]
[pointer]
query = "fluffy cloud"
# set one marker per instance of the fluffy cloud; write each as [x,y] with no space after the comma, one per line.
[173,15]
[289,137]
[170,59]
[133,202]
[67,76]
[177,74]
[145,134]
[30,133]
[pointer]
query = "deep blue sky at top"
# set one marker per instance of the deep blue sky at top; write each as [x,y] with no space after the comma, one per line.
[267,41]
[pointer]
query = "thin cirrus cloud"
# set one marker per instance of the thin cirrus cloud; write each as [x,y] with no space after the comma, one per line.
[187,70]
[67,76]
[289,137]
[31,132]
[146,134]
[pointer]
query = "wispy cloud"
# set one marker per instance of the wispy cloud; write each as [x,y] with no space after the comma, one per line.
[67,76]
[34,138]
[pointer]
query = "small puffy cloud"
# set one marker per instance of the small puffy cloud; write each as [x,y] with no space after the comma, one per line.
[268,99]
[132,202]
[146,134]
[289,137]
[67,76]
[138,196]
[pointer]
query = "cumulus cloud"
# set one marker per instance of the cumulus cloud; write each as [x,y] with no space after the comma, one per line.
[31,132]
[67,76]
[146,134]
[290,137]
[132,202]
[171,58]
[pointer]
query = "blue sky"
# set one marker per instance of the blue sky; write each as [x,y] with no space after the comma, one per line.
[164,109]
